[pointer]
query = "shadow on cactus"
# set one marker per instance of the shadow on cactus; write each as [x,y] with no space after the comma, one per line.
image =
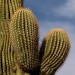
[55,48]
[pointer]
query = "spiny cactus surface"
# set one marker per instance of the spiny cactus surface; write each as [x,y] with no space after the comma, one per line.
[6,53]
[24,37]
[54,51]
[8,7]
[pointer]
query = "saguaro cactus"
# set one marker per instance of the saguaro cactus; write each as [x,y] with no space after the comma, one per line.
[8,7]
[6,53]
[54,51]
[19,43]
[24,37]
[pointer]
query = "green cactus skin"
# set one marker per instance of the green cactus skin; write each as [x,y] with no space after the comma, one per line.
[6,53]
[54,50]
[24,37]
[8,7]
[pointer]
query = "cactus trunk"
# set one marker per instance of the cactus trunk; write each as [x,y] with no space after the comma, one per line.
[6,53]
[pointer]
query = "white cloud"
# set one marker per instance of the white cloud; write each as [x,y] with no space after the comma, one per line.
[68,9]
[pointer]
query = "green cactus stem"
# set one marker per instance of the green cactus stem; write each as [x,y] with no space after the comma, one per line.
[54,50]
[8,7]
[24,37]
[6,53]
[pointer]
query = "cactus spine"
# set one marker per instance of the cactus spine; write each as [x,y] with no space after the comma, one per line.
[55,48]
[6,54]
[8,7]
[24,36]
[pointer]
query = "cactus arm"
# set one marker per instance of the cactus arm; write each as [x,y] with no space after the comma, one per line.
[24,37]
[55,52]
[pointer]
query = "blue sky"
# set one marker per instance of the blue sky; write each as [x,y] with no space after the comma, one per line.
[56,14]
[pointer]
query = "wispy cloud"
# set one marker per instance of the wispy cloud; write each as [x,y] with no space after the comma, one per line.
[68,9]
[41,8]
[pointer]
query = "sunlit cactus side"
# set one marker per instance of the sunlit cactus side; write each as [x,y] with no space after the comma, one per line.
[24,37]
[8,7]
[54,50]
[7,62]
